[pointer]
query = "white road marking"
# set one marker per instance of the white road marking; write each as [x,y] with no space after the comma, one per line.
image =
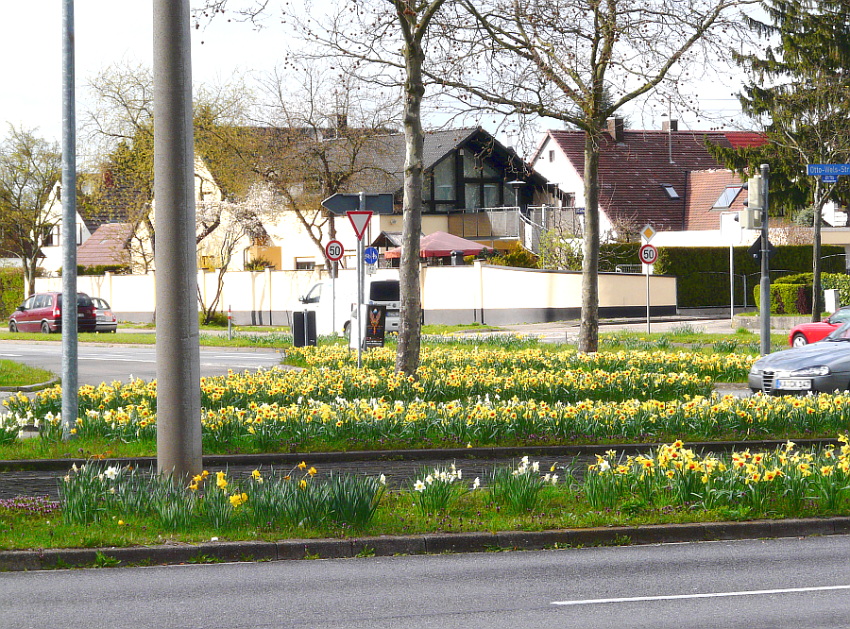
[11,355]
[676,597]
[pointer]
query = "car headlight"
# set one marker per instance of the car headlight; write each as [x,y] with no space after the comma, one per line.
[821,370]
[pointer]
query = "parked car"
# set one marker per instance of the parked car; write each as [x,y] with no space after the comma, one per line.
[820,367]
[106,319]
[42,312]
[812,332]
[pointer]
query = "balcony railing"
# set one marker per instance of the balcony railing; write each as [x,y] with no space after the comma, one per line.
[509,223]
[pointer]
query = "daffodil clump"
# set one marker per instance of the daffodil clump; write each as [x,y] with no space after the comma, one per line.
[93,493]
[782,481]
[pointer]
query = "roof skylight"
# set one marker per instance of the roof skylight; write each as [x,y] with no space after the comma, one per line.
[670,190]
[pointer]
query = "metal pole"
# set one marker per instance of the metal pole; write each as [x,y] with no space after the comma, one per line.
[765,266]
[360,282]
[178,395]
[70,406]
[731,283]
[646,266]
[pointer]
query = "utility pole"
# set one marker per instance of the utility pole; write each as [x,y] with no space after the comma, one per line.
[70,401]
[178,397]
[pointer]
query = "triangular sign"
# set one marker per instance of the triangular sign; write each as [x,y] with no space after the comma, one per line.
[359,220]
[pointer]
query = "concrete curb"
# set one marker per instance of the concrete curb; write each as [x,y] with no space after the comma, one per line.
[384,546]
[30,388]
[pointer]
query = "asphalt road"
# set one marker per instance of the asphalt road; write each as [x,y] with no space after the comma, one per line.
[793,583]
[105,363]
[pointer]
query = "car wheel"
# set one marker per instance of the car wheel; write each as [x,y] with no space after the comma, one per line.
[45,327]
[799,340]
[12,327]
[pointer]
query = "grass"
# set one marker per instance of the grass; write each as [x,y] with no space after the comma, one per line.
[14,374]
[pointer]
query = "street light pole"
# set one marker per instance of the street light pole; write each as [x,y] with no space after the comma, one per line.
[70,405]
[764,287]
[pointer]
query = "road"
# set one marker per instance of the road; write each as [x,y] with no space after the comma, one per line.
[793,583]
[105,363]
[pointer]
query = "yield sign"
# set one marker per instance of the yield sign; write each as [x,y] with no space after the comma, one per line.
[359,219]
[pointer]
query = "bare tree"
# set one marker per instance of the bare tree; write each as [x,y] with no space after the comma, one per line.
[29,170]
[388,40]
[578,62]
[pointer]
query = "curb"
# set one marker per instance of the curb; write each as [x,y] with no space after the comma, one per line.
[429,544]
[30,388]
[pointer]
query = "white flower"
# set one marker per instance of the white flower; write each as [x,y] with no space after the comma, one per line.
[476,483]
[419,485]
[535,467]
[429,479]
[554,479]
[604,466]
[111,472]
[459,474]
[382,479]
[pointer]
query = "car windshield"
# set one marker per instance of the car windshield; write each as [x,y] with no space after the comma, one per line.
[83,300]
[840,334]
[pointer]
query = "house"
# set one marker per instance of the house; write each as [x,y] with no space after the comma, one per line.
[665,178]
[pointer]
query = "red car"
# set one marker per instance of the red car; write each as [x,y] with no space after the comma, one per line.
[806,333]
[42,312]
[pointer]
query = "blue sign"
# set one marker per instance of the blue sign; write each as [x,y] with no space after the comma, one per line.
[829,178]
[370,255]
[835,170]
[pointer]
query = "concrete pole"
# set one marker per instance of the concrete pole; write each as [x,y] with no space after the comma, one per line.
[178,397]
[70,404]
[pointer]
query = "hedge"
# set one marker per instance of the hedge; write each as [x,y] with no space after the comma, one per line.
[11,289]
[703,272]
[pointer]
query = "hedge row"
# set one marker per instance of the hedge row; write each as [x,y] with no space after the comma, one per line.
[11,289]
[703,272]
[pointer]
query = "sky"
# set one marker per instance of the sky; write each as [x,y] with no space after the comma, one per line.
[120,31]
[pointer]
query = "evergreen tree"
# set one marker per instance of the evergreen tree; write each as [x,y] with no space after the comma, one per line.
[800,93]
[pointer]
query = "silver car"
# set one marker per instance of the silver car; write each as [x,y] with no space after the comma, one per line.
[820,367]
[106,319]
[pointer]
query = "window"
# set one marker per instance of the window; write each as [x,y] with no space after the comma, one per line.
[444,180]
[491,194]
[473,196]
[727,198]
[305,264]
[551,156]
[670,190]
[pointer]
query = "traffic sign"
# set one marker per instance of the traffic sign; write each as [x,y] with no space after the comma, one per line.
[334,250]
[647,232]
[342,203]
[370,255]
[648,254]
[829,178]
[359,220]
[819,170]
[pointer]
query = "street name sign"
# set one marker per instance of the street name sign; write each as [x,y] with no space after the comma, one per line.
[821,170]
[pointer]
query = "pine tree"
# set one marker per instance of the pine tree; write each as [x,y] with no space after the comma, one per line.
[800,93]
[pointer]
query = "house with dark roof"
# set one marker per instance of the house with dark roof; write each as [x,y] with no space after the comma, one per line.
[665,178]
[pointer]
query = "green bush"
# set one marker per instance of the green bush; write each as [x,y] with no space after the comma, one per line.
[787,298]
[840,281]
[11,289]
[216,319]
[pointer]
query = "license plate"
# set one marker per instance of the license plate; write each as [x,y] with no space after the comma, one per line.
[79,315]
[793,384]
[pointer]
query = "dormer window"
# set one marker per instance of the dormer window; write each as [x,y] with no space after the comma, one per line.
[726,198]
[670,190]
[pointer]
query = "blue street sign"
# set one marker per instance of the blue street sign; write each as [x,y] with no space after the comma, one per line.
[370,255]
[829,178]
[819,170]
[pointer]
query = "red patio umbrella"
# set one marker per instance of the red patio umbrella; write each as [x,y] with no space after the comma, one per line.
[441,244]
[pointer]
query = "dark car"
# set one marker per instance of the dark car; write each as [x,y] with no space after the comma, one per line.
[813,332]
[106,319]
[820,367]
[42,312]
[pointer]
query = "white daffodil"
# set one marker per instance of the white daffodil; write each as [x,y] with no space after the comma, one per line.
[419,486]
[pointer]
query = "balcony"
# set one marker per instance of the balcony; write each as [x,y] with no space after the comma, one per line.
[509,223]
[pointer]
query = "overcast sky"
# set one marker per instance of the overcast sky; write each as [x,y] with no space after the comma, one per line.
[112,31]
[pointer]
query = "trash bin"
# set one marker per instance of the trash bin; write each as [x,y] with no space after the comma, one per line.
[304,328]
[457,258]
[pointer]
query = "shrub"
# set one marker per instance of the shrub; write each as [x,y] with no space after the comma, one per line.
[11,289]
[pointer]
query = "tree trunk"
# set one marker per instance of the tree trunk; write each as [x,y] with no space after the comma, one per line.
[410,326]
[588,340]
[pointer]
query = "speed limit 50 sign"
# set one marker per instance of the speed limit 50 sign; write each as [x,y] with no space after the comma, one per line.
[648,254]
[334,250]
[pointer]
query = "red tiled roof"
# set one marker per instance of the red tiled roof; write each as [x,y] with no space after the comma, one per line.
[632,172]
[106,246]
[739,139]
[704,191]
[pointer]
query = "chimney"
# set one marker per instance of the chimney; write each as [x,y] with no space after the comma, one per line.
[615,129]
[670,125]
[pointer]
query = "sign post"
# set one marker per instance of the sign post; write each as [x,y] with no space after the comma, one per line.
[648,255]
[334,252]
[359,220]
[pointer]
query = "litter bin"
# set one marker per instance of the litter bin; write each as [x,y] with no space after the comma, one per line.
[304,328]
